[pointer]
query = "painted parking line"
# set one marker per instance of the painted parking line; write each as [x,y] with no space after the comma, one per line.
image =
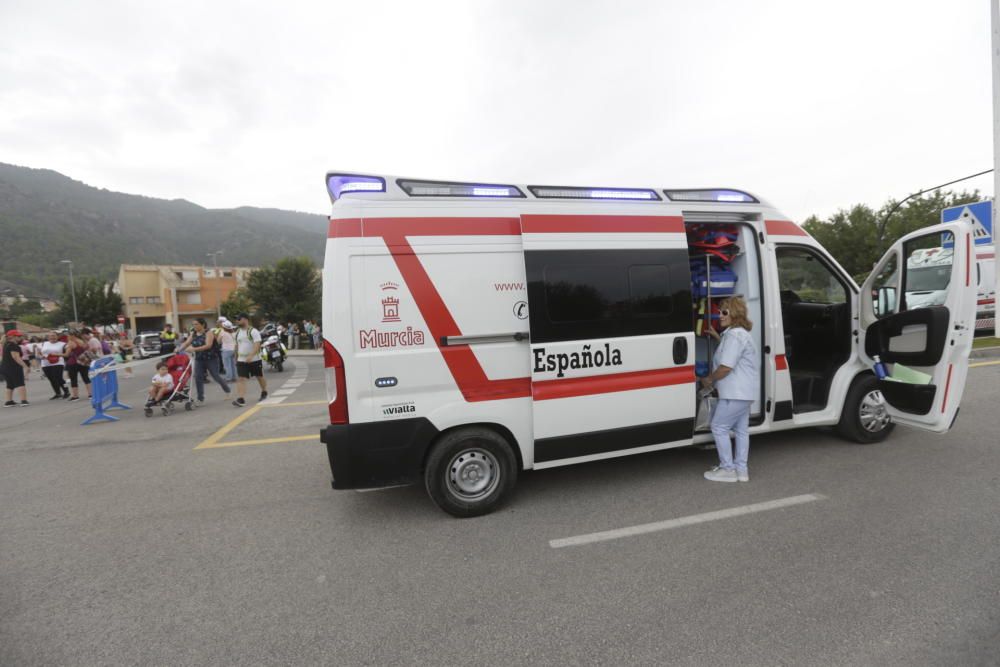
[263,441]
[680,522]
[984,363]
[215,440]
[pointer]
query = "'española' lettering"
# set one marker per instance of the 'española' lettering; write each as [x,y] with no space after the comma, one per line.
[585,359]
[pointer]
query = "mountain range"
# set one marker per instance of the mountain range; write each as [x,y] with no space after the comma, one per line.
[46,217]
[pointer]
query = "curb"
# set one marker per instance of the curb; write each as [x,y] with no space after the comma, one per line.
[985,353]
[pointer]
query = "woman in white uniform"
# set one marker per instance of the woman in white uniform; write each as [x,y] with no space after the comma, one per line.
[736,377]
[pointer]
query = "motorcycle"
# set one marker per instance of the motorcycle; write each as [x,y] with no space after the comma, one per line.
[274,352]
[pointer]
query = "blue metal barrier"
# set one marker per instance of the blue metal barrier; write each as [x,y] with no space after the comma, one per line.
[104,390]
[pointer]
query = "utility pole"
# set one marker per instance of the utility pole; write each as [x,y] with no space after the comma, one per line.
[72,289]
[215,263]
[995,57]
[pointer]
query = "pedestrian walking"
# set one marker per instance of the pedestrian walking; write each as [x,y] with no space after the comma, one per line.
[307,328]
[317,336]
[227,342]
[206,357]
[248,361]
[28,352]
[77,364]
[14,369]
[293,336]
[736,377]
[53,353]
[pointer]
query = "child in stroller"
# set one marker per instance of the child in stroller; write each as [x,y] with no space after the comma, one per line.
[178,368]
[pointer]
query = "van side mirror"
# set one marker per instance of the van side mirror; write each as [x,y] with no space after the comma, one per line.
[885,303]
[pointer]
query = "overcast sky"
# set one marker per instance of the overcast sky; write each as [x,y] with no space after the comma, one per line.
[813,106]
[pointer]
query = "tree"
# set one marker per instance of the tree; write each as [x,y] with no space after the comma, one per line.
[96,303]
[238,301]
[859,236]
[289,291]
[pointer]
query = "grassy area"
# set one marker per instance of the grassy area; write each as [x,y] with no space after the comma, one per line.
[985,342]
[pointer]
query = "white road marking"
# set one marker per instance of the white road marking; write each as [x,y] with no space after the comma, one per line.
[644,528]
[273,400]
[282,392]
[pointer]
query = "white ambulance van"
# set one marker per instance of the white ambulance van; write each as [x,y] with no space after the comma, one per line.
[476,330]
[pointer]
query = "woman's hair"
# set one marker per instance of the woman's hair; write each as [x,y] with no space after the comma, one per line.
[737,308]
[201,321]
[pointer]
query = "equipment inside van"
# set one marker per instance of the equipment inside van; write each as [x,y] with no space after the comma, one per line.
[477,330]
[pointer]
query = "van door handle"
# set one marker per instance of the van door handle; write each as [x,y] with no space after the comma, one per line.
[680,350]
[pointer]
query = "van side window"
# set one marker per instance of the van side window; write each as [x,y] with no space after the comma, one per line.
[929,260]
[803,278]
[586,294]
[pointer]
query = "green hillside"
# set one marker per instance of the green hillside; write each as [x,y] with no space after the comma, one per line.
[45,217]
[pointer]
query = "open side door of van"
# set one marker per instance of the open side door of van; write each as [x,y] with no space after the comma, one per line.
[917,314]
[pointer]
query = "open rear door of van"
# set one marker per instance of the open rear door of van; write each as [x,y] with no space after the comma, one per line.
[917,314]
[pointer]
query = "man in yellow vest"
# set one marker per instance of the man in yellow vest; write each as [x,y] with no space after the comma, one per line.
[168,339]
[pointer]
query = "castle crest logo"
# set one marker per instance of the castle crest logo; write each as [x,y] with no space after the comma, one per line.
[390,302]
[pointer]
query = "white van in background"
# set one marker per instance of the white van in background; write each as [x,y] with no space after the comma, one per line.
[473,331]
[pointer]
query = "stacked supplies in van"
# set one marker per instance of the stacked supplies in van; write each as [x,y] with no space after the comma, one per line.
[712,250]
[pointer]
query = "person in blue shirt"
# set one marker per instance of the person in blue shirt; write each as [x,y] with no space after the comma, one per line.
[736,377]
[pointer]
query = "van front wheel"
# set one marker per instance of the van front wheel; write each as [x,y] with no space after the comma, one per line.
[864,418]
[470,472]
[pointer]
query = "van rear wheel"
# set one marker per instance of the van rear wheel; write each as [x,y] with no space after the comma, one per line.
[864,419]
[470,472]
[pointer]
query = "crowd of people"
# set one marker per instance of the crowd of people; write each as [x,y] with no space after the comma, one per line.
[229,353]
[57,357]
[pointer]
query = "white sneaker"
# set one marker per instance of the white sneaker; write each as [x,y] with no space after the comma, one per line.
[743,475]
[718,474]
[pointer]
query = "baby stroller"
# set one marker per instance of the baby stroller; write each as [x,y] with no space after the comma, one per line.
[180,368]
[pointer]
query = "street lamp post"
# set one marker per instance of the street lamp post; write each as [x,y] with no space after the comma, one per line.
[215,263]
[72,289]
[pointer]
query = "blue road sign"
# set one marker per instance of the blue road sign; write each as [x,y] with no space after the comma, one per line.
[981,216]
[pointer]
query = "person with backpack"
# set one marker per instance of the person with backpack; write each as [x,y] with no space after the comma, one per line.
[248,361]
[206,357]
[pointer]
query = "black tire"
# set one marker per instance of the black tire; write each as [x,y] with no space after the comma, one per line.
[470,472]
[853,423]
[280,365]
[189,406]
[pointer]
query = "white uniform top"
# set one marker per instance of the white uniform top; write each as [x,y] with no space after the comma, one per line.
[738,353]
[245,340]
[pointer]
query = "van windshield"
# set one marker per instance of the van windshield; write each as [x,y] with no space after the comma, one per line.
[928,279]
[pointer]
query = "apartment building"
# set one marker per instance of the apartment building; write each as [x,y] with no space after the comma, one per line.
[154,295]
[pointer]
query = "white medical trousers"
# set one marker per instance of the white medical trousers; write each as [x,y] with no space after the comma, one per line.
[732,415]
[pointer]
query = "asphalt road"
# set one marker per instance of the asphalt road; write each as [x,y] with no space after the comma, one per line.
[124,544]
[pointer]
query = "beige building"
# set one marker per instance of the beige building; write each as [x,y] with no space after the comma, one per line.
[154,295]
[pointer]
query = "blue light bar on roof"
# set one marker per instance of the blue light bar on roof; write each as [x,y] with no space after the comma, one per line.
[449,189]
[716,195]
[338,184]
[631,194]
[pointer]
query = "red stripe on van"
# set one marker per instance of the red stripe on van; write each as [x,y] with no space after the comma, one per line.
[544,390]
[783,228]
[461,361]
[780,363]
[968,259]
[947,386]
[984,302]
[986,255]
[612,224]
[344,228]
[403,227]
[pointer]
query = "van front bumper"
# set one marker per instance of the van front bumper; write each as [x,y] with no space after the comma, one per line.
[377,454]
